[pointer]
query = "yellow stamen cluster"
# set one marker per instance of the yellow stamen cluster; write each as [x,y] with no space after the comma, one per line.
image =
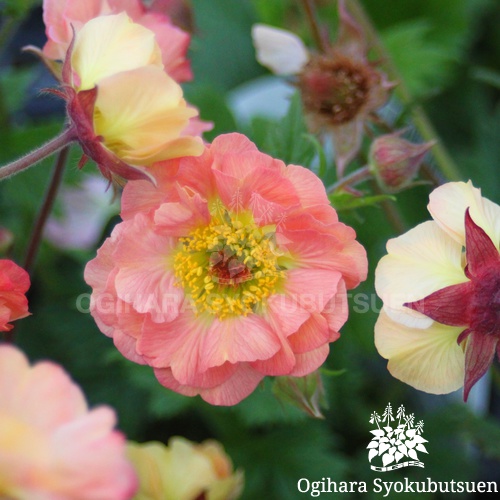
[229,267]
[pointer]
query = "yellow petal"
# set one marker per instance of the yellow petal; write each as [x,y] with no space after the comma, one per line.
[279,50]
[419,262]
[141,114]
[428,359]
[111,44]
[449,202]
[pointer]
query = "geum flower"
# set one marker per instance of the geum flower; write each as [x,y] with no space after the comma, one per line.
[340,88]
[63,17]
[233,268]
[51,445]
[440,325]
[14,283]
[127,113]
[184,471]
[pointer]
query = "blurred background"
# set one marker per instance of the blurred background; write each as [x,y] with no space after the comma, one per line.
[447,53]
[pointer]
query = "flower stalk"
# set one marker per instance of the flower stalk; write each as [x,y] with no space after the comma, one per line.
[313,24]
[351,180]
[64,139]
[46,209]
[420,119]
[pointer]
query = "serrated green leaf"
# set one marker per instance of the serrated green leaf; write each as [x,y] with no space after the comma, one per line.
[423,64]
[346,201]
[332,373]
[286,139]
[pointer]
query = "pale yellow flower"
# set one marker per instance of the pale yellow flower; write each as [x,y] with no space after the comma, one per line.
[184,471]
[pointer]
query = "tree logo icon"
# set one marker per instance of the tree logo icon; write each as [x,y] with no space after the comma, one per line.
[394,444]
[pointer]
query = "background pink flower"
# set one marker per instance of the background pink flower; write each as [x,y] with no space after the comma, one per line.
[51,445]
[61,15]
[14,283]
[235,267]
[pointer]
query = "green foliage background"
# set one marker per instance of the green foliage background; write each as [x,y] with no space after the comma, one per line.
[448,55]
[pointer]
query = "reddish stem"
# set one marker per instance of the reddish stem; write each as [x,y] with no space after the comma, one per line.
[66,137]
[46,209]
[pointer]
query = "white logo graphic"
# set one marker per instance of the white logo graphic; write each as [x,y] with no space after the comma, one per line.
[394,444]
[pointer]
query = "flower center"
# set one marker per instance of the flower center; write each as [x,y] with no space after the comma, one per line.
[229,267]
[335,88]
[485,304]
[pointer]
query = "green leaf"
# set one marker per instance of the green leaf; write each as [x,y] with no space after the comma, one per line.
[424,65]
[346,201]
[261,407]
[213,108]
[287,138]
[16,8]
[222,50]
[272,13]
[332,373]
[486,75]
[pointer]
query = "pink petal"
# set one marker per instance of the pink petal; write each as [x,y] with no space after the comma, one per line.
[44,382]
[173,43]
[143,196]
[309,361]
[337,311]
[239,339]
[143,277]
[285,314]
[312,334]
[238,387]
[179,218]
[282,363]
[312,289]
[308,186]
[231,392]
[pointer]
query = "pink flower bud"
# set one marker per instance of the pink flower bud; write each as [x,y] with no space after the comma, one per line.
[395,161]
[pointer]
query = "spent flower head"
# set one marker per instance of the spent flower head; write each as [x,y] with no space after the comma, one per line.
[340,87]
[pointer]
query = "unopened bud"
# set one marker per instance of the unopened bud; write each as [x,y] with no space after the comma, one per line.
[306,393]
[395,161]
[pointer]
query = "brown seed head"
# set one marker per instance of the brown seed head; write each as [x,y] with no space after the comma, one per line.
[335,88]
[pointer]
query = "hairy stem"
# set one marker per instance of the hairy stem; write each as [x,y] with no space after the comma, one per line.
[45,210]
[390,210]
[350,180]
[66,137]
